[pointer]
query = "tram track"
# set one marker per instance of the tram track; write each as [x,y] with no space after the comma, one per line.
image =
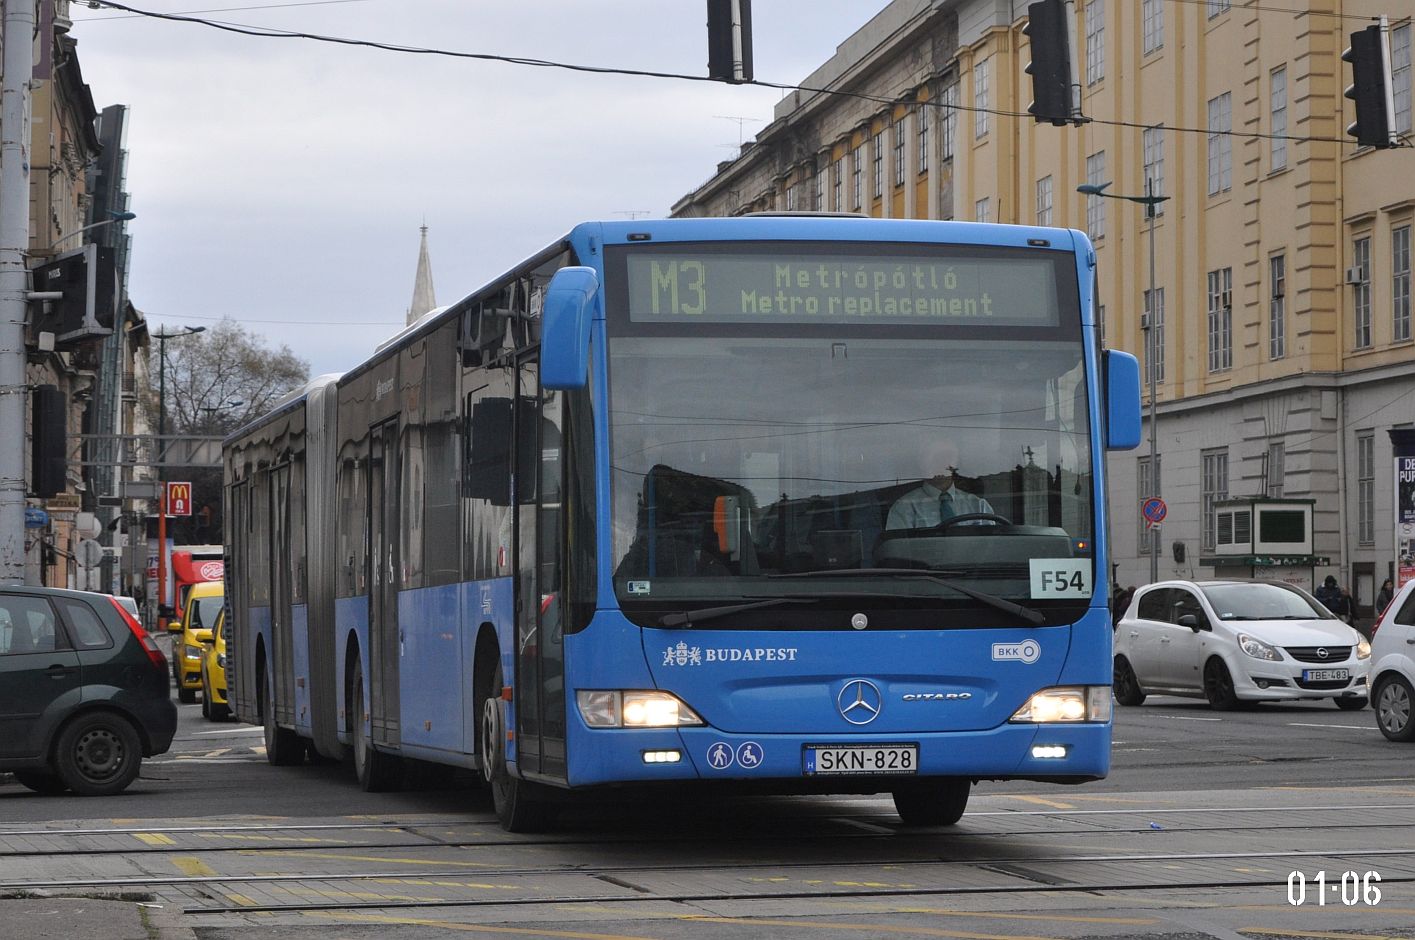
[426,838]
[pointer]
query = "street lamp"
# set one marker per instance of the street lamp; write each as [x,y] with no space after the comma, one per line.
[114,216]
[162,339]
[1149,201]
[211,410]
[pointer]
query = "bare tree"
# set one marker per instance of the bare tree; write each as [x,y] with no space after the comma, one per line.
[220,378]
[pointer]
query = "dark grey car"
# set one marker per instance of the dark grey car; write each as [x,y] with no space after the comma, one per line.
[84,693]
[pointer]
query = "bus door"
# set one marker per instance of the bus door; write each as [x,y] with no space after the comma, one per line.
[540,681]
[383,638]
[282,650]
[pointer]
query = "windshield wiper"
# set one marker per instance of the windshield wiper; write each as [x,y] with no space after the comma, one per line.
[689,617]
[1029,614]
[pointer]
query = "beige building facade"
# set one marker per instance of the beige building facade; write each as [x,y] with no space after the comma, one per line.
[1281,309]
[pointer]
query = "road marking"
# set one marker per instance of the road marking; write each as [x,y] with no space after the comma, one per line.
[1302,724]
[193,867]
[154,838]
[1069,918]
[1316,933]
[197,734]
[1039,801]
[1188,718]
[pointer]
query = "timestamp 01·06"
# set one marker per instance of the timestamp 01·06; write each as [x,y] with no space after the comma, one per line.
[1352,888]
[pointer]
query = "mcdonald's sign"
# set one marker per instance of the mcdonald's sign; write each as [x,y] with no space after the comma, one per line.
[179,499]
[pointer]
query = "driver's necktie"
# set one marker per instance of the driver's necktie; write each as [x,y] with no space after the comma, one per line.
[945,508]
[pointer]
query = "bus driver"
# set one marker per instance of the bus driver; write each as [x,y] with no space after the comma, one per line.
[937,500]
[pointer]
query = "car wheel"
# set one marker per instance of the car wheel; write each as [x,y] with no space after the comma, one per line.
[40,781]
[205,696]
[939,803]
[1350,704]
[376,771]
[1218,686]
[98,754]
[186,696]
[1394,699]
[1127,687]
[283,747]
[521,806]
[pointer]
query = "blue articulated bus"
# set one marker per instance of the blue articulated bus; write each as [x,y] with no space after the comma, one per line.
[789,503]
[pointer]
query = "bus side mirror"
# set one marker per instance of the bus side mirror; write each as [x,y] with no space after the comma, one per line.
[1122,400]
[565,328]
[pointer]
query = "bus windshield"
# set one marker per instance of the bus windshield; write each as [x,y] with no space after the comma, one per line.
[829,458]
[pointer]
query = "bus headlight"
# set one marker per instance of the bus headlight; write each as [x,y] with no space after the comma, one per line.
[621,709]
[1066,704]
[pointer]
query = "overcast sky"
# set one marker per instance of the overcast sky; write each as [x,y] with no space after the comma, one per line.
[282,182]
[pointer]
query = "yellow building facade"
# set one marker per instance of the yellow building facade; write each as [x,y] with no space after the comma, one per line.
[1281,309]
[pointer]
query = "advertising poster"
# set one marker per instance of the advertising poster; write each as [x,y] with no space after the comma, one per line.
[1404,519]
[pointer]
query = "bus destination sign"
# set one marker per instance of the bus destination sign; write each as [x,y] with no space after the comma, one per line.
[820,288]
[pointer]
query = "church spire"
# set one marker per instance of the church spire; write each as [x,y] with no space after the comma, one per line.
[423,297]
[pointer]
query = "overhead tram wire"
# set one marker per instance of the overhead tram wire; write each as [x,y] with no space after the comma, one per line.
[267,33]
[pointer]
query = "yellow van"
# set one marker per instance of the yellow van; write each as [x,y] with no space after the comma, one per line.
[204,603]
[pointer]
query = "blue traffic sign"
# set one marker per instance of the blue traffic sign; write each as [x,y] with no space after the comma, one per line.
[1154,510]
[35,518]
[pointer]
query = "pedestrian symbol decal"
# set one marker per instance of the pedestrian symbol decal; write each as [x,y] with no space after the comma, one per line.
[749,755]
[719,756]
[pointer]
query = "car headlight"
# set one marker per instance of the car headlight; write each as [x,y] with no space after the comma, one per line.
[192,652]
[221,660]
[624,709]
[1363,649]
[1066,704]
[1257,649]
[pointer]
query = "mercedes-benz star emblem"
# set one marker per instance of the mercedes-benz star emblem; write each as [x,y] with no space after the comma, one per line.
[859,701]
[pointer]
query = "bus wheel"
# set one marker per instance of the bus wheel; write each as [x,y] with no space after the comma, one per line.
[282,746]
[938,802]
[377,771]
[521,806]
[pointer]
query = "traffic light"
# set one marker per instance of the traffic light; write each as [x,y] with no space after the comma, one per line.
[1050,67]
[730,40]
[1371,87]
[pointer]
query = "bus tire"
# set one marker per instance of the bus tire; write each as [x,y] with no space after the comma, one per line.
[282,746]
[376,771]
[521,806]
[937,802]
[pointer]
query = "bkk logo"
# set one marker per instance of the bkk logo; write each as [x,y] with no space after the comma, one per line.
[1026,651]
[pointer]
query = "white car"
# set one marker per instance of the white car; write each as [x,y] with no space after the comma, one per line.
[1393,666]
[1237,640]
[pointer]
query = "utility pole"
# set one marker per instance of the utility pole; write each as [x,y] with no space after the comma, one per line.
[17,32]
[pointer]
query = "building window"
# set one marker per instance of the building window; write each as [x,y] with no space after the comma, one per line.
[1095,205]
[1274,470]
[792,195]
[982,211]
[1277,98]
[1044,201]
[950,121]
[1220,319]
[1147,488]
[1361,290]
[822,176]
[980,98]
[839,185]
[1095,41]
[899,152]
[1154,316]
[1277,306]
[1220,144]
[1152,11]
[1216,7]
[857,172]
[877,166]
[1400,283]
[1153,140]
[1400,76]
[1213,488]
[1366,487]
[922,116]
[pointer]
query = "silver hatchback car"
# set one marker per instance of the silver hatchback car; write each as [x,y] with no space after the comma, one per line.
[1393,666]
[1231,641]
